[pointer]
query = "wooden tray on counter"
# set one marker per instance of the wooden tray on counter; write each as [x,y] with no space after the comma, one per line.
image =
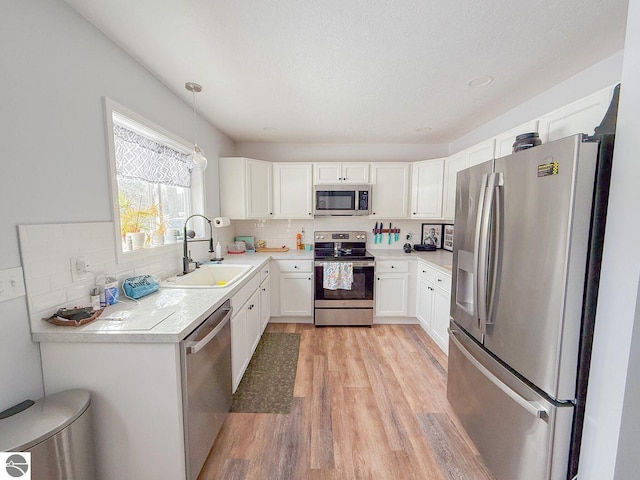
[272,249]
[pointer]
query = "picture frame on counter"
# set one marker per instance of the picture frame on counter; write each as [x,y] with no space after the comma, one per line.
[447,243]
[431,234]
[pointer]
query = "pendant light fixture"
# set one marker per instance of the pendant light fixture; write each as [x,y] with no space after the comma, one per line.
[199,160]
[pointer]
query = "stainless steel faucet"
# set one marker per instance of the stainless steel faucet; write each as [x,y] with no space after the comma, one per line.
[186,257]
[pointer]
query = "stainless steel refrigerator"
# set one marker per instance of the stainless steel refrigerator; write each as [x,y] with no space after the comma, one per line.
[528,239]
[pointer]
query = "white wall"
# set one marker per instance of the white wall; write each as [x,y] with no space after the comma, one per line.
[611,372]
[628,460]
[56,68]
[597,77]
[319,152]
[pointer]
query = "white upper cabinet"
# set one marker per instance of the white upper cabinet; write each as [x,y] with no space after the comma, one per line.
[245,188]
[475,155]
[480,153]
[390,190]
[578,117]
[292,190]
[452,166]
[504,141]
[347,173]
[426,188]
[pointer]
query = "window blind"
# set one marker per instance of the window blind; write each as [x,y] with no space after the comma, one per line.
[141,158]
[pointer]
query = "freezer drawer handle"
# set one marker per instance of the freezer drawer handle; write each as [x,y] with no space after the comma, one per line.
[534,408]
[202,343]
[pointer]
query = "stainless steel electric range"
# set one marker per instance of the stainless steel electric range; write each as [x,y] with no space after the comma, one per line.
[347,304]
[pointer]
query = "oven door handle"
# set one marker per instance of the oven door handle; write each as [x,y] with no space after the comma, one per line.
[356,264]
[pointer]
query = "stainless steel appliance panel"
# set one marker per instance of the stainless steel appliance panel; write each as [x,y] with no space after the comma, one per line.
[341,200]
[519,433]
[469,201]
[540,228]
[206,386]
[343,316]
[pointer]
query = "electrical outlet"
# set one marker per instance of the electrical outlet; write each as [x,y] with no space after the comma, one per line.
[11,283]
[79,268]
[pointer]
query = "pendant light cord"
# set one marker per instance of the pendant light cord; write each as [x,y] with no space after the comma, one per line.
[195,124]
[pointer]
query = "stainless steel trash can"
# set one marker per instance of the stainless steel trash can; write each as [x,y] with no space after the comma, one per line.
[57,431]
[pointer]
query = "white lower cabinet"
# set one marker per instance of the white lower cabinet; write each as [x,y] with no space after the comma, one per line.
[391,294]
[392,288]
[432,303]
[246,326]
[292,290]
[239,346]
[296,294]
[265,303]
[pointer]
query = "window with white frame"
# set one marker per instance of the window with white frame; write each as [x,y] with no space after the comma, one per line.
[152,181]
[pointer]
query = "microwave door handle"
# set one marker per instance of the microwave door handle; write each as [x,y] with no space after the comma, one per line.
[476,248]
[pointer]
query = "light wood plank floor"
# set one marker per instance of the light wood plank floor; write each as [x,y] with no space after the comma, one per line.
[369,403]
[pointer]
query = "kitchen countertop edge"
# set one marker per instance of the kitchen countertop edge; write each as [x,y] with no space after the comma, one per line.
[439,259]
[199,304]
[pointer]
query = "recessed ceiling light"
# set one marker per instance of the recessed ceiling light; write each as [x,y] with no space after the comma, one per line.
[423,129]
[269,129]
[482,81]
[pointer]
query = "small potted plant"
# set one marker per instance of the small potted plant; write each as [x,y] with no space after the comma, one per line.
[133,218]
[161,223]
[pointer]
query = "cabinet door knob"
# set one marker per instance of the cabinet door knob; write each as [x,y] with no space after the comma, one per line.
[439,279]
[392,266]
[424,271]
[295,266]
[414,213]
[309,278]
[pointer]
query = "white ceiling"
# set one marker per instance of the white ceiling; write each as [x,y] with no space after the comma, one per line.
[374,71]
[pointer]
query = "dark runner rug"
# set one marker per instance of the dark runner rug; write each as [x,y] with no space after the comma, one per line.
[267,385]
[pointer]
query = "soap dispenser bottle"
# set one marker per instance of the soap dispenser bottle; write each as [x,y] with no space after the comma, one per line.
[218,250]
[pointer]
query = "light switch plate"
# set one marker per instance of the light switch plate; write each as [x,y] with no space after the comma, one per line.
[11,283]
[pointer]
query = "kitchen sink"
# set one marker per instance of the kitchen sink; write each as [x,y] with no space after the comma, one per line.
[208,276]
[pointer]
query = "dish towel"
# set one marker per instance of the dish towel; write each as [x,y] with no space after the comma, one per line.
[337,275]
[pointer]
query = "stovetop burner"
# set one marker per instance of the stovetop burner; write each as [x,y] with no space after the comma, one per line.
[341,246]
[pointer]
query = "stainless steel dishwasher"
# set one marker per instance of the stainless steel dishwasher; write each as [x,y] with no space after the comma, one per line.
[205,360]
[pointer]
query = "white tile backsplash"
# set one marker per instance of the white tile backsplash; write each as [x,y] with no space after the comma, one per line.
[46,252]
[283,232]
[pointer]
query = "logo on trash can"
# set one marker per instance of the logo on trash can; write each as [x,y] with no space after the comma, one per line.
[16,465]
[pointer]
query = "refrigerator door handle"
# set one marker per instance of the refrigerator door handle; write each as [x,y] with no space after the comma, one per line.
[476,251]
[493,232]
[482,251]
[534,408]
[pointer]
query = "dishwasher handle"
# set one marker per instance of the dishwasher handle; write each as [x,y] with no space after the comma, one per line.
[209,336]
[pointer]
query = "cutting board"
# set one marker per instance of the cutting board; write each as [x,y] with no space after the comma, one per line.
[272,249]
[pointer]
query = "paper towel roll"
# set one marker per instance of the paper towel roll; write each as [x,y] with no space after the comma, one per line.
[221,222]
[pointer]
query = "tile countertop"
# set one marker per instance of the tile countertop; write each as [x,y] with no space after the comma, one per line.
[166,316]
[440,259]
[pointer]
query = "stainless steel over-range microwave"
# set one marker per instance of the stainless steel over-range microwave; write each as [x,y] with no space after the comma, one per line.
[343,200]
